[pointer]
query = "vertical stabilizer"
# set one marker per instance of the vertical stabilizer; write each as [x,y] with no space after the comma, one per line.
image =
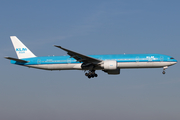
[21,50]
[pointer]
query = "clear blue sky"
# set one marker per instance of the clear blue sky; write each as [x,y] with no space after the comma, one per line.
[90,27]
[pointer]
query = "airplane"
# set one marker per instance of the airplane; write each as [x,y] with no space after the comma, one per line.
[110,64]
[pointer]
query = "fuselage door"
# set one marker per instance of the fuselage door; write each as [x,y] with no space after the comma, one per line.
[137,59]
[69,60]
[39,61]
[161,58]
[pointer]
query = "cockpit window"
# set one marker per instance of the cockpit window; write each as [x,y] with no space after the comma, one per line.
[171,58]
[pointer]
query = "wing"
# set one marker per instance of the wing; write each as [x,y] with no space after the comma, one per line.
[80,57]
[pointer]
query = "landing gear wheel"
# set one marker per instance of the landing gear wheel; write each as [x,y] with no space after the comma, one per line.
[86,74]
[163,72]
[91,74]
[95,75]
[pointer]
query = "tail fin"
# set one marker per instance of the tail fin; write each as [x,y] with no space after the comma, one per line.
[21,50]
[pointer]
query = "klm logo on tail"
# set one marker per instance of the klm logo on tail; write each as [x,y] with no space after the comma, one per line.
[21,50]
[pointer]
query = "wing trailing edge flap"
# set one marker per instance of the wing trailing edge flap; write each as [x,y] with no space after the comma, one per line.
[80,57]
[17,60]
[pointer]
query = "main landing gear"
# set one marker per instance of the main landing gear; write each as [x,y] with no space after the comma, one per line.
[164,68]
[91,74]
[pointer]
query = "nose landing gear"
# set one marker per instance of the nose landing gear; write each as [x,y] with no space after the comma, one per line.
[91,74]
[164,68]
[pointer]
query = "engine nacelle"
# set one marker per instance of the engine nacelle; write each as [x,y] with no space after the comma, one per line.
[112,72]
[110,65]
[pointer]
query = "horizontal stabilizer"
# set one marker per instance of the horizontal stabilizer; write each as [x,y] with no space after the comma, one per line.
[18,60]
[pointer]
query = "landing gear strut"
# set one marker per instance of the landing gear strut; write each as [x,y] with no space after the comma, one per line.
[164,68]
[91,74]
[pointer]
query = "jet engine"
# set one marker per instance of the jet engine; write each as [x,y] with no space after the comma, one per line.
[110,67]
[112,72]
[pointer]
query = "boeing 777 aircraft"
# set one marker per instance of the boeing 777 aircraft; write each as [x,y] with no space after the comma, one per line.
[110,64]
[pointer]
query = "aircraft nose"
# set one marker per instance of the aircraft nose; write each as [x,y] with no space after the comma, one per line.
[173,60]
[176,61]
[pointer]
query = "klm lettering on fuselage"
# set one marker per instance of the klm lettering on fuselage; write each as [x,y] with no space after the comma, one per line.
[150,58]
[21,50]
